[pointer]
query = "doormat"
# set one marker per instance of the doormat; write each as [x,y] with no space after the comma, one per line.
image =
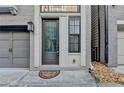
[48,74]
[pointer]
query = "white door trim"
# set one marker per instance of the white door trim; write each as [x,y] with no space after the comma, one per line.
[37,36]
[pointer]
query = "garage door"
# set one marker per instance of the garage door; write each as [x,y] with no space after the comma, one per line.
[14,48]
[120,47]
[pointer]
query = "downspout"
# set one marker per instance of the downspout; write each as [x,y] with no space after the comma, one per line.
[91,66]
[98,59]
[106,33]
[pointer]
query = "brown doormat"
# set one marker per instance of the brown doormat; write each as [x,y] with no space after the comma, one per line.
[47,74]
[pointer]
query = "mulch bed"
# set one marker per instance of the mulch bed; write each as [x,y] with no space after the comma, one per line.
[48,74]
[105,74]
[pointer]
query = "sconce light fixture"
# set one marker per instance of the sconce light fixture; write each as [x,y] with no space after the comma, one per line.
[13,10]
[30,26]
[113,6]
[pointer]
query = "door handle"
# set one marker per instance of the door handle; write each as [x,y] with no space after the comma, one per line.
[57,53]
[10,49]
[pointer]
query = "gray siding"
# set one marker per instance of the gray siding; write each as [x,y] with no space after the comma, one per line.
[94,26]
[114,13]
[95,32]
[98,31]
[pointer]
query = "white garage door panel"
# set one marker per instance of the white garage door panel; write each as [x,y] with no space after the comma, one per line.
[21,62]
[4,47]
[120,60]
[4,36]
[20,43]
[5,62]
[21,48]
[20,36]
[120,47]
[4,43]
[21,52]
[120,34]
[4,53]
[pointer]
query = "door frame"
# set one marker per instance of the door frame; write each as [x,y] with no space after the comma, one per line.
[56,19]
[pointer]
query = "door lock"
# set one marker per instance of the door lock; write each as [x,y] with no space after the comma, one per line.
[10,49]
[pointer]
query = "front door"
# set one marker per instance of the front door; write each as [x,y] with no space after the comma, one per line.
[50,41]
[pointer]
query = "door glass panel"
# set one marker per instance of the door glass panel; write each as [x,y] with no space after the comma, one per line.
[50,36]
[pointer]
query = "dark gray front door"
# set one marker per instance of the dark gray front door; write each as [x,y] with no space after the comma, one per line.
[50,42]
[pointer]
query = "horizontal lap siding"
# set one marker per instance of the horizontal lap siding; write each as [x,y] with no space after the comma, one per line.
[94,26]
[95,32]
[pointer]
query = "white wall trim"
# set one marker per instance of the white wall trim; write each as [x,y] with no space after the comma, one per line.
[37,36]
[63,40]
[83,35]
[40,40]
[120,21]
[58,14]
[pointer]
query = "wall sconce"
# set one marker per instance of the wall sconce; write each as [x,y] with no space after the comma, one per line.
[113,6]
[13,10]
[30,26]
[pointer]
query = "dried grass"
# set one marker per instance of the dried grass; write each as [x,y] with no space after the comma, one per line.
[105,74]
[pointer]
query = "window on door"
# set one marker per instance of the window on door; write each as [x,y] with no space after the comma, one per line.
[74,34]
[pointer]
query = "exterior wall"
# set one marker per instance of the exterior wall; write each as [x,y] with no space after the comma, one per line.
[32,13]
[65,59]
[102,33]
[115,13]
[98,32]
[24,15]
[63,41]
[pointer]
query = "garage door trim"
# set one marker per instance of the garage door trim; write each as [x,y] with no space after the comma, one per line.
[13,28]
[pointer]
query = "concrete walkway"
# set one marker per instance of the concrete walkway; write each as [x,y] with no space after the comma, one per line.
[25,78]
[9,76]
